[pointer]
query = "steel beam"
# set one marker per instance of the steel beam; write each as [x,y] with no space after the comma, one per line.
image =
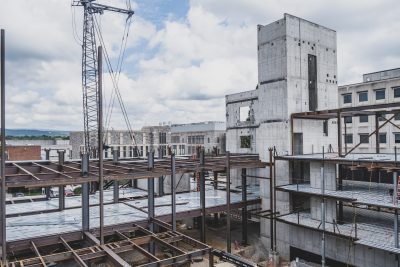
[85,193]
[61,188]
[202,199]
[228,203]
[116,182]
[3,192]
[150,199]
[100,142]
[244,209]
[173,193]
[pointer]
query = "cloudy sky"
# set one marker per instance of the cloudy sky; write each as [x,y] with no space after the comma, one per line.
[182,58]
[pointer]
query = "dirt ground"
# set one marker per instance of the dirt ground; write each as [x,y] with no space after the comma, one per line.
[216,237]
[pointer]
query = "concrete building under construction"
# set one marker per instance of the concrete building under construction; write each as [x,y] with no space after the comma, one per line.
[287,168]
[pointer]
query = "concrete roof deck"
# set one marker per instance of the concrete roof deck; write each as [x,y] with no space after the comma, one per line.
[358,195]
[387,159]
[69,220]
[372,235]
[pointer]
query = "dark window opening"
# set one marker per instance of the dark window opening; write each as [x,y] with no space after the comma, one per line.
[325,126]
[396,92]
[397,138]
[362,96]
[382,138]
[245,141]
[397,116]
[348,138]
[348,119]
[312,83]
[363,118]
[346,98]
[380,94]
[381,118]
[364,138]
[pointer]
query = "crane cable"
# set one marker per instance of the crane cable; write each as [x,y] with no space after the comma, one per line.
[114,76]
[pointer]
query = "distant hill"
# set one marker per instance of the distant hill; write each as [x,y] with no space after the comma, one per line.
[32,132]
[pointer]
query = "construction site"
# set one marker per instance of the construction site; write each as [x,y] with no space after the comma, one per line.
[305,173]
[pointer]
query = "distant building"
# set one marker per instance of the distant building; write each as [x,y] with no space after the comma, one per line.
[50,145]
[28,152]
[181,139]
[377,88]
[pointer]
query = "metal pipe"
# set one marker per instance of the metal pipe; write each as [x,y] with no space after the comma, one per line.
[85,193]
[115,182]
[173,193]
[61,188]
[3,152]
[150,198]
[100,139]
[228,203]
[244,209]
[339,125]
[323,208]
[202,199]
[271,188]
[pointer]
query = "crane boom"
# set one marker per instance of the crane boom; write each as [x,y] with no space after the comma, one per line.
[90,70]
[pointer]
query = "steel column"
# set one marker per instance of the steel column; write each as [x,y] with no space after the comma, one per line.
[100,142]
[228,203]
[339,129]
[3,152]
[160,181]
[323,209]
[244,209]
[202,199]
[85,193]
[61,188]
[173,193]
[150,198]
[215,188]
[271,188]
[115,182]
[377,148]
[47,151]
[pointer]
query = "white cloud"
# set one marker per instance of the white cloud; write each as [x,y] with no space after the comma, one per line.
[180,71]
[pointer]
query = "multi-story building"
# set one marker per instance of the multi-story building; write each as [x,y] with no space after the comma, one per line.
[328,206]
[182,139]
[377,88]
[209,135]
[48,148]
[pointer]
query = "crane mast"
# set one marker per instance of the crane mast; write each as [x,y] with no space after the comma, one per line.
[90,70]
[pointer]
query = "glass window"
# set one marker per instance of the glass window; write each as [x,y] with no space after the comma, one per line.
[397,138]
[380,94]
[348,138]
[364,138]
[396,92]
[348,119]
[397,116]
[245,141]
[382,118]
[363,118]
[363,96]
[382,138]
[346,98]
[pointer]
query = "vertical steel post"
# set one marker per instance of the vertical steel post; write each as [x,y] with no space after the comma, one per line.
[85,193]
[395,202]
[345,134]
[377,148]
[228,203]
[173,193]
[323,208]
[339,130]
[3,152]
[244,209]
[61,188]
[47,189]
[271,199]
[150,198]
[160,181]
[100,140]
[215,188]
[115,182]
[47,151]
[202,198]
